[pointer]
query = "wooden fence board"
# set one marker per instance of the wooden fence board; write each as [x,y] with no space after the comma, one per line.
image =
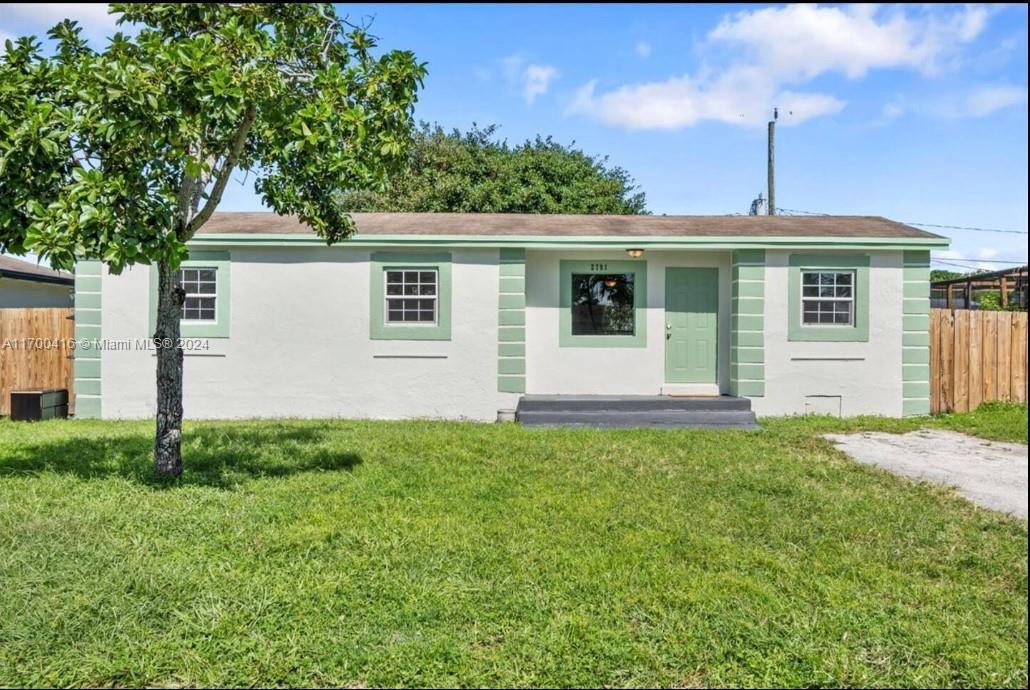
[976,357]
[35,351]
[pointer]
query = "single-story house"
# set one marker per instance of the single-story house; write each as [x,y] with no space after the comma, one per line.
[442,315]
[25,284]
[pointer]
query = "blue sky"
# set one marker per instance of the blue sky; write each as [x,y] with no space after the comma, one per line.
[917,113]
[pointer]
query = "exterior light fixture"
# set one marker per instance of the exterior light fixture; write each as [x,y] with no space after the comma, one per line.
[635,253]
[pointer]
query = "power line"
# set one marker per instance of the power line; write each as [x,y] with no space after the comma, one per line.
[985,261]
[912,222]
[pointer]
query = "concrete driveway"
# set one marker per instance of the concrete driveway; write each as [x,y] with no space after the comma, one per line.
[988,473]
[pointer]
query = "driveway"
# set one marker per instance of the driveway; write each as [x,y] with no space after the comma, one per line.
[989,473]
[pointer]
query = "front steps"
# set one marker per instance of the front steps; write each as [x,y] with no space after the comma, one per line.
[636,411]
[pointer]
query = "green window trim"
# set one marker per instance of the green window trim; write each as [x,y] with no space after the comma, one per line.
[202,329]
[379,329]
[639,271]
[859,330]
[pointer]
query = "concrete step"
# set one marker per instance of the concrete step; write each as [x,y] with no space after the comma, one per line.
[623,419]
[630,403]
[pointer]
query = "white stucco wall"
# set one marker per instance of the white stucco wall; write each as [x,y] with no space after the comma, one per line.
[835,378]
[299,344]
[27,293]
[551,369]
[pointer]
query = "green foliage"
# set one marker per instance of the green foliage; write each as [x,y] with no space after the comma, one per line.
[368,554]
[122,154]
[472,172]
[939,274]
[989,300]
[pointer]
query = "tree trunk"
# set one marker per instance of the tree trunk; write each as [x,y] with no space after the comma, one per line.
[167,441]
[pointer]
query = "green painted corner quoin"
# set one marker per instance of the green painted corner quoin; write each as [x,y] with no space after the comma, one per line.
[511,321]
[857,332]
[220,261]
[380,262]
[88,332]
[747,323]
[565,271]
[915,338]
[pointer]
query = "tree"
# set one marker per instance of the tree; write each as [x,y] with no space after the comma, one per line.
[122,155]
[473,173]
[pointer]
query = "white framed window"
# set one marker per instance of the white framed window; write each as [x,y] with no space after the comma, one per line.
[828,298]
[411,296]
[201,288]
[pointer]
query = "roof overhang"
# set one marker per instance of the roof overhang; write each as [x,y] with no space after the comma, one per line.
[575,241]
[36,278]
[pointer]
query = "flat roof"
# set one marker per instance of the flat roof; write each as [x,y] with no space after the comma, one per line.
[562,225]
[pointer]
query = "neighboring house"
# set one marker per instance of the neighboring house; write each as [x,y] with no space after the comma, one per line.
[458,315]
[25,284]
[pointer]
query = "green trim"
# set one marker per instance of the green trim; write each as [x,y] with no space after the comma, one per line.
[511,349]
[87,317]
[915,339]
[748,288]
[511,384]
[747,339]
[580,242]
[88,406]
[511,334]
[915,336]
[380,262]
[220,261]
[565,271]
[87,367]
[915,407]
[747,323]
[511,321]
[858,332]
[919,371]
[749,389]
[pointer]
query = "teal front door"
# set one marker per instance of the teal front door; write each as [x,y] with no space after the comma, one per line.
[691,325]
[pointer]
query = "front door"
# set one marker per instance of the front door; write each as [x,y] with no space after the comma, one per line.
[691,328]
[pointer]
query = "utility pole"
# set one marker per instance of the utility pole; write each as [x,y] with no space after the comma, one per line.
[772,162]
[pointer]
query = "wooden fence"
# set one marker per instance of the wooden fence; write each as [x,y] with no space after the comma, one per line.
[35,351]
[976,357]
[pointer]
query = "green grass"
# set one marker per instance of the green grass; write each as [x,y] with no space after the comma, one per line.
[430,553]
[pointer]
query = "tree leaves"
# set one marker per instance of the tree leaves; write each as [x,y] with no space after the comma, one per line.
[120,154]
[471,172]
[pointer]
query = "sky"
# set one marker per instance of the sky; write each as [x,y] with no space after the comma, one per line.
[914,112]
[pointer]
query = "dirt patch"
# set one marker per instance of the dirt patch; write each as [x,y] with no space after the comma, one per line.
[988,473]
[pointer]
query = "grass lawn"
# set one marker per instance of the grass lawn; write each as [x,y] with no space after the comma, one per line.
[432,553]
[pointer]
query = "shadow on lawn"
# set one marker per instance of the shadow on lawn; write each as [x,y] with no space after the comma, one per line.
[213,455]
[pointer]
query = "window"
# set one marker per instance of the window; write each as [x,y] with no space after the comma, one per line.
[827,298]
[411,296]
[204,277]
[201,287]
[602,304]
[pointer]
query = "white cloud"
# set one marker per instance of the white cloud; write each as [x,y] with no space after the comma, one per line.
[534,80]
[804,41]
[891,111]
[989,99]
[537,80]
[740,96]
[643,49]
[783,48]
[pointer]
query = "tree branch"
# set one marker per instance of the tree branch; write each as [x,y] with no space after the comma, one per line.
[222,179]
